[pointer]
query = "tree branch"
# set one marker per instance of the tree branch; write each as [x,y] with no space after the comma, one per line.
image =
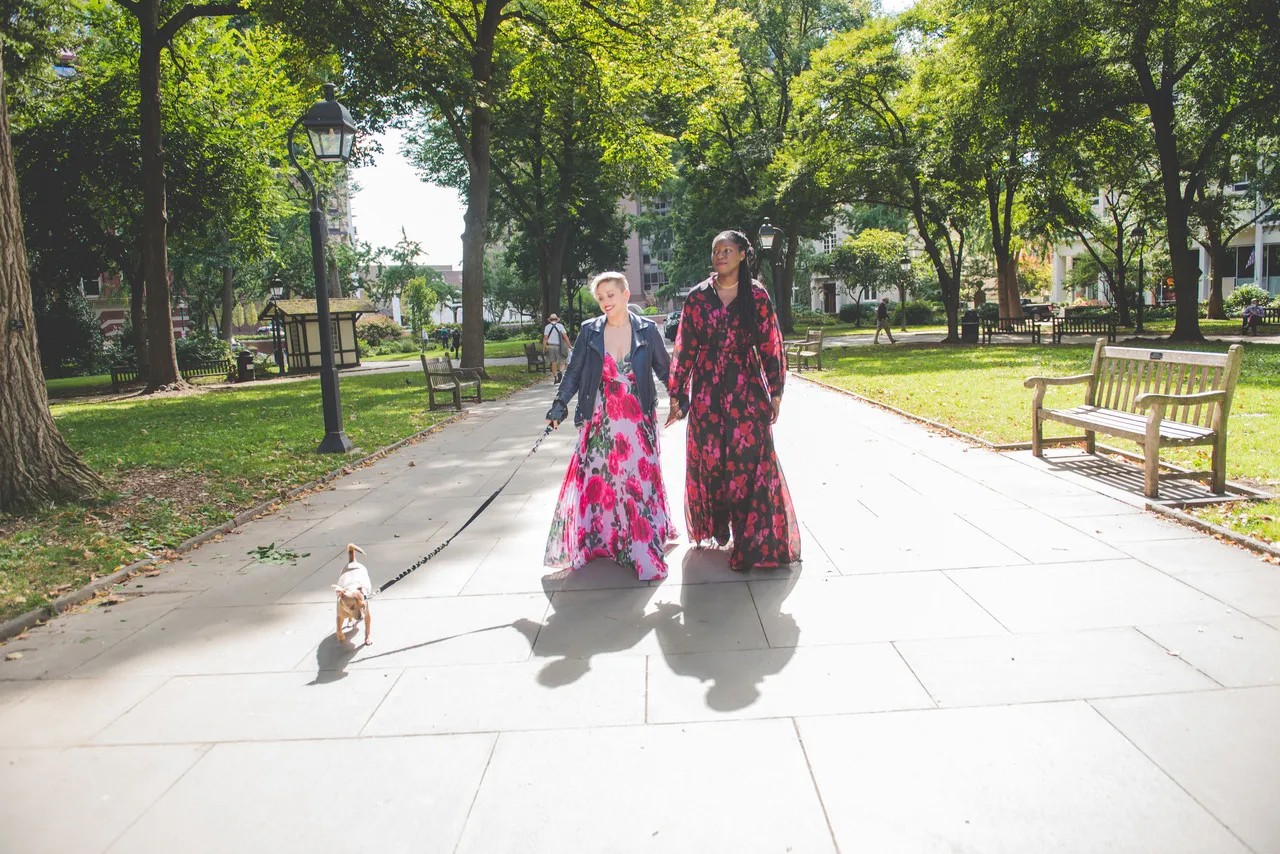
[190,12]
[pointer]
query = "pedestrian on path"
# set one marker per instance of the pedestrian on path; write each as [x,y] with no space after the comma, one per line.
[456,337]
[613,503]
[727,375]
[882,320]
[555,344]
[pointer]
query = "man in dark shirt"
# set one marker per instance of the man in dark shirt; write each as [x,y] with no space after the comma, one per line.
[882,320]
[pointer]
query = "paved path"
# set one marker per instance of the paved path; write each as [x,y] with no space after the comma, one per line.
[977,655]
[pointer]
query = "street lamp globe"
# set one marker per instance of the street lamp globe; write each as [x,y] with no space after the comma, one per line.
[330,128]
[277,288]
[904,264]
[767,235]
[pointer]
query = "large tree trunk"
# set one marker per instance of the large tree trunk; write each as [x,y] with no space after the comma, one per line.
[473,239]
[36,464]
[162,360]
[228,303]
[1217,305]
[782,297]
[1177,208]
[1000,211]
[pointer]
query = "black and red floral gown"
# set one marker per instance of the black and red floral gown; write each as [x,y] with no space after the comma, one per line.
[723,373]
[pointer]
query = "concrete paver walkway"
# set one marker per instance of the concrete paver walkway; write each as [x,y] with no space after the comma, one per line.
[976,655]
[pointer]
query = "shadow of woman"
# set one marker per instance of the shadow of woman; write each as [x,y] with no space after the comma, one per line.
[583,623]
[735,675]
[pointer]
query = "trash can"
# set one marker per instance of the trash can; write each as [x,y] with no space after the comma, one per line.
[969,327]
[244,362]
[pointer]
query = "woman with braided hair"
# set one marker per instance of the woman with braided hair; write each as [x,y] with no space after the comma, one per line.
[727,375]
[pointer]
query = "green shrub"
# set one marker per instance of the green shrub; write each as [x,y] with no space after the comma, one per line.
[363,348]
[374,329]
[201,347]
[650,309]
[805,317]
[1245,294]
[849,312]
[989,311]
[919,312]
[497,333]
[70,336]
[403,345]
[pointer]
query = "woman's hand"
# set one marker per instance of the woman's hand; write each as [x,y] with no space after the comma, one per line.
[776,404]
[674,414]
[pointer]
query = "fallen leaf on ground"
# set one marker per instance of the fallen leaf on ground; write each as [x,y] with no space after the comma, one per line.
[13,656]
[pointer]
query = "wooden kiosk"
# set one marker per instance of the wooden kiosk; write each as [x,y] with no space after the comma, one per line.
[295,325]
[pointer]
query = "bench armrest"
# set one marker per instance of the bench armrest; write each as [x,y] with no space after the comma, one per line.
[1193,399]
[1075,379]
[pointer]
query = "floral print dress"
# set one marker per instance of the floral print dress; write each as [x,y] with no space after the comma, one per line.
[613,504]
[724,372]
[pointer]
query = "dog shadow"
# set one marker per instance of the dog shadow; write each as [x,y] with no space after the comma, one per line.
[332,658]
[733,679]
[584,623]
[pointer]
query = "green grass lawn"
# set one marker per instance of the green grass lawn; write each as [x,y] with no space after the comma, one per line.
[179,465]
[979,390]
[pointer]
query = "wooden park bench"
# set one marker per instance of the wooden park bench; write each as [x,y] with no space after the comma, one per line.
[537,359]
[1011,326]
[1271,314]
[802,354]
[1084,326]
[1157,398]
[445,380]
[122,375]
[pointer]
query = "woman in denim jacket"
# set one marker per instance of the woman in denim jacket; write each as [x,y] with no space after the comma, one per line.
[613,503]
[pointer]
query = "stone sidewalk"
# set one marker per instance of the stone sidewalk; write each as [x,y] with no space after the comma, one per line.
[976,655]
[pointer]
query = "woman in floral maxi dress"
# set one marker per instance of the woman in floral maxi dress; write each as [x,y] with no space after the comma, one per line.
[727,376]
[613,503]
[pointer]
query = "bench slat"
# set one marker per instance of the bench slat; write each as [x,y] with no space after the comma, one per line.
[1115,421]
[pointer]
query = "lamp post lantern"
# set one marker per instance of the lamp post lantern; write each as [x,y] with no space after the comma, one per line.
[1141,233]
[770,235]
[331,133]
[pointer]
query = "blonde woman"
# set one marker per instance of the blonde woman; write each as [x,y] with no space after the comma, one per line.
[613,503]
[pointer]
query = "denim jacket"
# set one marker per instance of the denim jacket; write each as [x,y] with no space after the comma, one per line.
[586,366]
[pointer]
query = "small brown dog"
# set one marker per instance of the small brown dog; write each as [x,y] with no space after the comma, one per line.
[354,590]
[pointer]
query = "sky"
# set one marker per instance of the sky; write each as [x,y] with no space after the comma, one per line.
[392,196]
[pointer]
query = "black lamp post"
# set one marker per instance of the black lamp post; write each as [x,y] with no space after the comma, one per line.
[904,264]
[277,333]
[769,235]
[1141,233]
[331,132]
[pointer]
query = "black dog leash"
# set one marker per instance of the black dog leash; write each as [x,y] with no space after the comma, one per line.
[474,516]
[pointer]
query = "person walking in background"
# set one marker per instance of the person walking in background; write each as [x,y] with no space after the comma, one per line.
[555,344]
[727,376]
[882,320]
[456,338]
[613,503]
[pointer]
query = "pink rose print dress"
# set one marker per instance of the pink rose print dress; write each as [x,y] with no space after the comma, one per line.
[729,369]
[613,504]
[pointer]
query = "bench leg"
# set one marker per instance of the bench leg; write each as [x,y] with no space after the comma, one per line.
[1090,442]
[1151,473]
[1037,434]
[1219,482]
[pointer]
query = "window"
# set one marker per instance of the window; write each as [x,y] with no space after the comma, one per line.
[91,287]
[830,241]
[654,280]
[1244,262]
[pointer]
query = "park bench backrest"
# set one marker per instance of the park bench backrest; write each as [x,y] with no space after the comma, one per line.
[439,371]
[1120,374]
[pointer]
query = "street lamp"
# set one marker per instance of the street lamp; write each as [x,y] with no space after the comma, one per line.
[769,235]
[904,264]
[277,288]
[1141,233]
[331,132]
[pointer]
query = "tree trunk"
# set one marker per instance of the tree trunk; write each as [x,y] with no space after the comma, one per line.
[1217,305]
[138,317]
[1186,325]
[162,360]
[228,303]
[782,295]
[476,222]
[1000,212]
[335,280]
[36,463]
